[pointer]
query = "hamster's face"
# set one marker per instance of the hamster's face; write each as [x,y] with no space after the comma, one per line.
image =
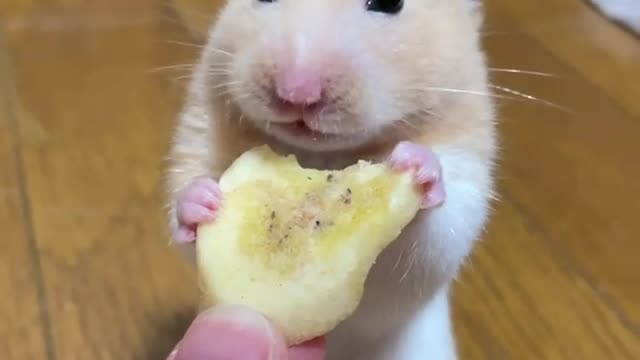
[334,74]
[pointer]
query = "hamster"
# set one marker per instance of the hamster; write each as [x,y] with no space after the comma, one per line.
[335,81]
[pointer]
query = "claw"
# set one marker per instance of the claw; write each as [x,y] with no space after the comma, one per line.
[428,172]
[198,203]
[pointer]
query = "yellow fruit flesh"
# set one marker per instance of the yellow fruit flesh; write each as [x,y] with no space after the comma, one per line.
[297,244]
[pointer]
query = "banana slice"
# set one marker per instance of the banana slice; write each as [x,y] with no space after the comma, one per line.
[297,244]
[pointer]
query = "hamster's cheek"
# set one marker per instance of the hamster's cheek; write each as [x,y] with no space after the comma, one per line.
[383,101]
[244,86]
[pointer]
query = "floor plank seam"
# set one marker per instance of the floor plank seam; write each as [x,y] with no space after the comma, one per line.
[8,87]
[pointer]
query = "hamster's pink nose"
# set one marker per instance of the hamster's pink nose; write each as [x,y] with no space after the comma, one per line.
[298,86]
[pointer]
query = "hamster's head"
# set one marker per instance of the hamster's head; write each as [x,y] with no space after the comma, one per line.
[328,75]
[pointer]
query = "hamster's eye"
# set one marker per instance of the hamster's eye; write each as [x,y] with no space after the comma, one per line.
[385,6]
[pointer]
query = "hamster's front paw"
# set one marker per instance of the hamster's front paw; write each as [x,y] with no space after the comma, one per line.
[198,203]
[428,171]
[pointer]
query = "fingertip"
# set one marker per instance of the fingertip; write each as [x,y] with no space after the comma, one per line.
[311,350]
[230,332]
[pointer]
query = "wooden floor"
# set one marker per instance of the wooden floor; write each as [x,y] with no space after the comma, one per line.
[85,270]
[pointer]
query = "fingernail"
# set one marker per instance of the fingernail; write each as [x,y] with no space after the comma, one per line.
[227,333]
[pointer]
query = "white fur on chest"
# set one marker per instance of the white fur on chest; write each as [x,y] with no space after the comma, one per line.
[404,314]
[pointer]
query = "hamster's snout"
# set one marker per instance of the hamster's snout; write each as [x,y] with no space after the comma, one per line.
[306,83]
[298,86]
[304,89]
[301,79]
[298,89]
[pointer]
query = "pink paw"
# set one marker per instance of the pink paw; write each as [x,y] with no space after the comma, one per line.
[198,203]
[428,171]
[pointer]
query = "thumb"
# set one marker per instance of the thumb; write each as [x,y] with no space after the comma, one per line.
[237,333]
[230,333]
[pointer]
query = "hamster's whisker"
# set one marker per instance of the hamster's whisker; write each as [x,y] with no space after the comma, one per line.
[395,267]
[216,71]
[171,67]
[225,84]
[219,73]
[410,264]
[524,72]
[530,97]
[191,75]
[185,44]
[212,72]
[220,51]
[219,65]
[463,92]
[243,95]
[183,77]
[413,256]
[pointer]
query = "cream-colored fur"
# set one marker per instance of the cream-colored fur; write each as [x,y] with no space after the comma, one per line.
[419,76]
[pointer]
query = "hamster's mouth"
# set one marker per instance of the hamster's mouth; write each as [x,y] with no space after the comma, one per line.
[317,127]
[300,134]
[301,129]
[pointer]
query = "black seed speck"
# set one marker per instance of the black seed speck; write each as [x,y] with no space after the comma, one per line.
[329,177]
[273,214]
[347,197]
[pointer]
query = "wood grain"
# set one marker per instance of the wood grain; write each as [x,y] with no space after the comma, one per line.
[94,128]
[564,166]
[23,303]
[85,124]
[572,31]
